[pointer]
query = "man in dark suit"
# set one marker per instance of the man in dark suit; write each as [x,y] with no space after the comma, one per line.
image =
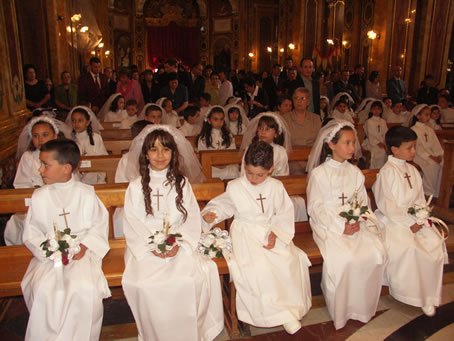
[287,66]
[256,98]
[273,86]
[93,86]
[196,83]
[170,67]
[112,84]
[311,84]
[342,85]
[293,81]
[396,87]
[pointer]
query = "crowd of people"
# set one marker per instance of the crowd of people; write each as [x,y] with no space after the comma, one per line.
[290,107]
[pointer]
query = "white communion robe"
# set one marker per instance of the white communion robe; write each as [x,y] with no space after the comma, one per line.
[86,149]
[73,309]
[433,124]
[127,122]
[120,177]
[233,127]
[229,171]
[281,168]
[428,144]
[172,119]
[27,176]
[375,129]
[346,116]
[447,115]
[415,269]
[178,298]
[116,116]
[353,266]
[189,129]
[272,286]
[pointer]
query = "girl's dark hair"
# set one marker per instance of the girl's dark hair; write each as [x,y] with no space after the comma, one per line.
[165,101]
[436,108]
[325,109]
[270,123]
[89,128]
[326,150]
[31,146]
[174,176]
[340,101]
[373,75]
[239,122]
[260,154]
[281,100]
[205,133]
[376,104]
[114,105]
[415,117]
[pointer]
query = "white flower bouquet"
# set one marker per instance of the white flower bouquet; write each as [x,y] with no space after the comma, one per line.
[215,243]
[162,241]
[61,247]
[423,214]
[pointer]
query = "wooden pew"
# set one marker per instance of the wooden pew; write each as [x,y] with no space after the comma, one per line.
[238,140]
[210,158]
[445,135]
[101,163]
[111,125]
[447,177]
[114,134]
[118,146]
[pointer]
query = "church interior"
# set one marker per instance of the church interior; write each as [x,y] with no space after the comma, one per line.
[241,39]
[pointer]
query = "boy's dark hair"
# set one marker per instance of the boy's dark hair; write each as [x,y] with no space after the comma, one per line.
[249,81]
[303,59]
[138,126]
[446,97]
[152,108]
[94,60]
[191,111]
[397,135]
[172,76]
[65,151]
[206,96]
[386,98]
[131,102]
[260,154]
[395,102]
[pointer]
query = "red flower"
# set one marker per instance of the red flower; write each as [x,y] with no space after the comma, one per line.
[430,222]
[64,258]
[171,240]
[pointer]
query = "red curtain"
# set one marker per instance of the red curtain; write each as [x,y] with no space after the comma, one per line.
[173,41]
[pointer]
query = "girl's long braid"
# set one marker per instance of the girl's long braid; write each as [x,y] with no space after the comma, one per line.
[90,134]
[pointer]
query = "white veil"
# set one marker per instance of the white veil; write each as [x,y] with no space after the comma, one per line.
[26,135]
[417,109]
[234,100]
[363,115]
[160,100]
[95,125]
[364,103]
[189,165]
[144,110]
[325,135]
[244,117]
[337,97]
[106,107]
[251,130]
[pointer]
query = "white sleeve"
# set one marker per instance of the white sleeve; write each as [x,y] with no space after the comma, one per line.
[120,173]
[283,222]
[281,167]
[222,206]
[192,227]
[99,145]
[33,234]
[24,173]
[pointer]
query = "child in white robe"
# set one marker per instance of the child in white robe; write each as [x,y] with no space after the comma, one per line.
[324,107]
[176,294]
[416,253]
[447,113]
[86,129]
[435,116]
[205,107]
[190,126]
[215,136]
[397,114]
[354,257]
[65,301]
[236,119]
[270,273]
[114,109]
[429,153]
[131,110]
[341,112]
[154,114]
[39,131]
[170,116]
[375,129]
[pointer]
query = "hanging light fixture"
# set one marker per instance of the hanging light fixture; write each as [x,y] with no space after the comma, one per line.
[82,31]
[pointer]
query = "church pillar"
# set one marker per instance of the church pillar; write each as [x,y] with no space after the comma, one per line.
[13,111]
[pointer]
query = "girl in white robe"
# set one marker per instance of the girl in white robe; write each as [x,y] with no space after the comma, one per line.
[85,133]
[216,136]
[272,129]
[175,295]
[65,302]
[236,119]
[414,272]
[114,109]
[342,112]
[270,273]
[375,129]
[429,153]
[354,258]
[435,115]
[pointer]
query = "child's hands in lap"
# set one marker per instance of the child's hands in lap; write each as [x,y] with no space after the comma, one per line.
[209,217]
[168,254]
[81,253]
[271,241]
[351,229]
[415,228]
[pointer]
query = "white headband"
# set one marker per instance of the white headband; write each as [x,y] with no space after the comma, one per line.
[336,129]
[39,119]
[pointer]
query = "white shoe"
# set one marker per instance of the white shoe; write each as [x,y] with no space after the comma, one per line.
[429,310]
[292,327]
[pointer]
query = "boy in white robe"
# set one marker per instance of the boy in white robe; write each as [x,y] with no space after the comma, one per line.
[65,301]
[270,273]
[190,126]
[429,153]
[131,110]
[416,253]
[447,113]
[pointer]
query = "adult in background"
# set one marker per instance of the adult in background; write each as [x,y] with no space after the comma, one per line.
[304,126]
[288,64]
[108,71]
[36,93]
[312,84]
[177,93]
[373,88]
[342,85]
[226,88]
[150,89]
[396,87]
[171,67]
[196,83]
[212,88]
[256,98]
[93,86]
[427,93]
[273,86]
[130,88]
[358,80]
[292,82]
[65,94]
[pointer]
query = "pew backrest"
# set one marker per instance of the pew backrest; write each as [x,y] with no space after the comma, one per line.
[101,163]
[117,147]
[114,134]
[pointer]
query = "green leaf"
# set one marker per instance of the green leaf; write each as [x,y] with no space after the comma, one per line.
[206,252]
[67,231]
[49,253]
[162,247]
[219,254]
